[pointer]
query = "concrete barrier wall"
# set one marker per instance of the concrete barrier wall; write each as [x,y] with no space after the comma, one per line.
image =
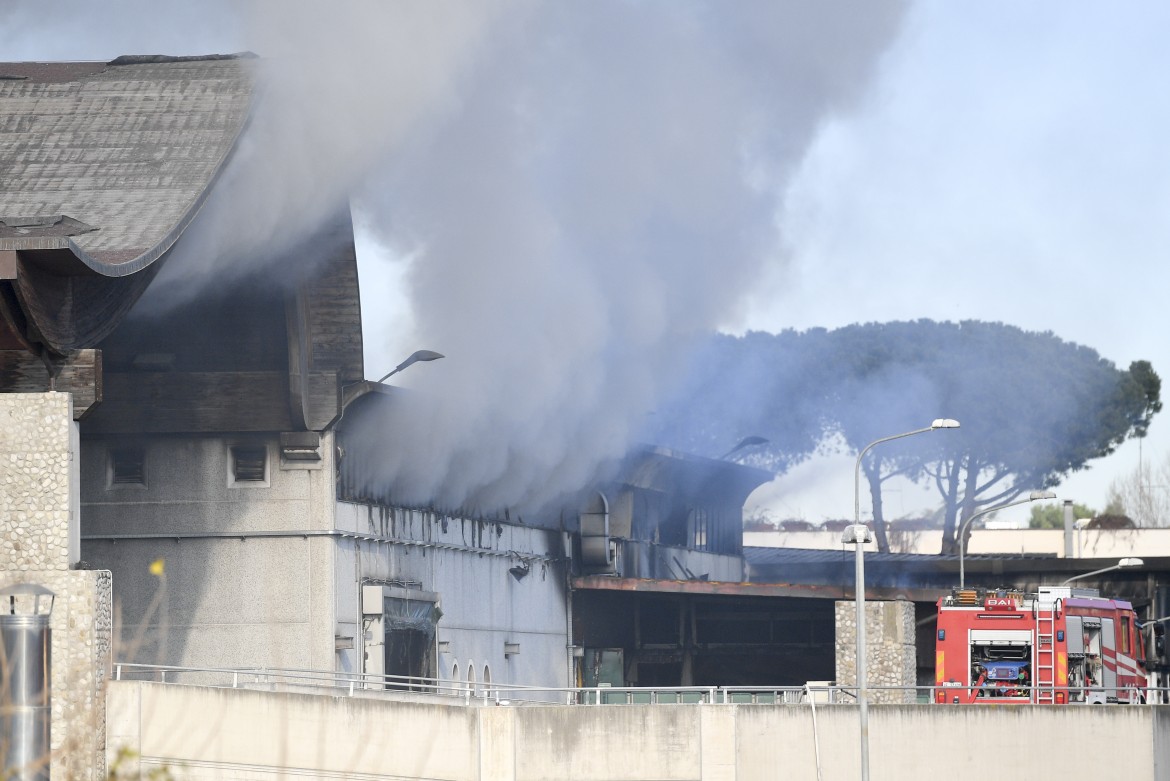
[203,733]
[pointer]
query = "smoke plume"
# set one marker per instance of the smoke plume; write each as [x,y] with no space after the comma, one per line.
[582,191]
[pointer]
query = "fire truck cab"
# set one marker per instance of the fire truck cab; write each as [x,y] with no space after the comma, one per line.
[1061,645]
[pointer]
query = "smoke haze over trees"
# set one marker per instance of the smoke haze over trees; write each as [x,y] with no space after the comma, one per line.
[1033,407]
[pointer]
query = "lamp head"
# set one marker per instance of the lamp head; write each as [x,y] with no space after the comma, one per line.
[1130,561]
[745,442]
[944,423]
[1036,495]
[856,533]
[419,355]
[415,357]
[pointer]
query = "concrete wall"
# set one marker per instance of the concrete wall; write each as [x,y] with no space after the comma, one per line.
[38,520]
[230,594]
[241,587]
[223,733]
[467,562]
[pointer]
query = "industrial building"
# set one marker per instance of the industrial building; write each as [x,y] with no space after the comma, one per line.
[216,470]
[188,469]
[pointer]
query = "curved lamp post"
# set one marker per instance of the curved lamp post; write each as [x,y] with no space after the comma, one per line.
[415,357]
[1126,563]
[1032,497]
[858,534]
[744,443]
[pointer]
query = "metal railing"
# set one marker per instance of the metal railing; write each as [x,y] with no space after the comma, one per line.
[365,684]
[490,693]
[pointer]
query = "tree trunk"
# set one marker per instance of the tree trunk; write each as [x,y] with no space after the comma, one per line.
[873,476]
[951,504]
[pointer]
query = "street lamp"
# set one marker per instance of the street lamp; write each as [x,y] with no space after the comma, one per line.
[1126,563]
[415,357]
[858,534]
[1032,497]
[744,443]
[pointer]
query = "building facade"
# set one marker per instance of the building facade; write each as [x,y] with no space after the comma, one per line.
[209,504]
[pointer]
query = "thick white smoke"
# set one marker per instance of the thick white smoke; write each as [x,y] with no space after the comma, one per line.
[342,88]
[583,187]
[605,192]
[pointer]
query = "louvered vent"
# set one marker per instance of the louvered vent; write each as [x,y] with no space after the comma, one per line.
[249,464]
[127,466]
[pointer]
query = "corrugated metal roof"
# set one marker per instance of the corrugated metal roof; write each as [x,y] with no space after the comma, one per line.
[104,166]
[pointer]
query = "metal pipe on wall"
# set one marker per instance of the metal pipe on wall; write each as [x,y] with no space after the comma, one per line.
[25,656]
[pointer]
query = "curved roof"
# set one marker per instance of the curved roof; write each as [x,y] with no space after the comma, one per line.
[105,165]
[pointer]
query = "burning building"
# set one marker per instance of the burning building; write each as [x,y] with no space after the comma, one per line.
[224,437]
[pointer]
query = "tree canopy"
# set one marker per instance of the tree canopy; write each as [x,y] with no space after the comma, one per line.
[1033,408]
[1051,516]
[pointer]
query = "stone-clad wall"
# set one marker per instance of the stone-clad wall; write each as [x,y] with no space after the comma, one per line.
[38,480]
[889,648]
[39,525]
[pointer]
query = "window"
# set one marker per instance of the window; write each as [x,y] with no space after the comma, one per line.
[699,518]
[127,466]
[487,681]
[1125,635]
[249,463]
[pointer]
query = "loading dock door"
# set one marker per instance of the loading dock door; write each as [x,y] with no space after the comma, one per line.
[410,637]
[398,637]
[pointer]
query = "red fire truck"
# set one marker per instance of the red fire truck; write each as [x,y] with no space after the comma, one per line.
[1061,645]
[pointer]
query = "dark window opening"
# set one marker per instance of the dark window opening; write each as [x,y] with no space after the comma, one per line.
[699,528]
[249,464]
[408,655]
[672,529]
[410,642]
[127,466]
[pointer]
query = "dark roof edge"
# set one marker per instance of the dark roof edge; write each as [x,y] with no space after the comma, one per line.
[147,59]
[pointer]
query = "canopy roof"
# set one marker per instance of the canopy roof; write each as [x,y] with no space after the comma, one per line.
[105,165]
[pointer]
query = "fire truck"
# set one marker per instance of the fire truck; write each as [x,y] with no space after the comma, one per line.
[1059,646]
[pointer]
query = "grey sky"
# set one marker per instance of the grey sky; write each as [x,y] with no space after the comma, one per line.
[995,161]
